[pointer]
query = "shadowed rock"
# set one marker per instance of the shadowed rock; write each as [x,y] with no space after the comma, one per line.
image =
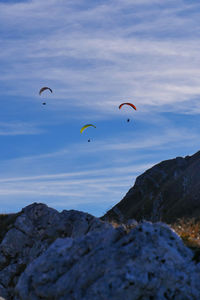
[28,234]
[166,192]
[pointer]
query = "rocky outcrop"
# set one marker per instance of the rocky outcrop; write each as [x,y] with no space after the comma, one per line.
[72,255]
[166,192]
[28,234]
[149,262]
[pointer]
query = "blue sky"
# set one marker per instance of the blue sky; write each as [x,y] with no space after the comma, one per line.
[94,55]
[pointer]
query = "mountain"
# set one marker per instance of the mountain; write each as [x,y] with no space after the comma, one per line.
[166,192]
[46,254]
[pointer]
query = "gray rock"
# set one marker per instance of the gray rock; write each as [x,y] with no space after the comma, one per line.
[3,293]
[13,243]
[148,262]
[30,235]
[131,223]
[72,255]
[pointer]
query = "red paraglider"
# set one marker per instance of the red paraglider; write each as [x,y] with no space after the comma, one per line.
[127,103]
[130,104]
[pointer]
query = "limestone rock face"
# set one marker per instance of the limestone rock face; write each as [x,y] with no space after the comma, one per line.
[32,232]
[166,192]
[148,262]
[72,255]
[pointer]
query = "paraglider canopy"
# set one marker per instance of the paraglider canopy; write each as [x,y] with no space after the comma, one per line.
[86,126]
[127,103]
[45,88]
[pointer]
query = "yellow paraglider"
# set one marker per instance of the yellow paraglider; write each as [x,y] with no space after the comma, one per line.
[86,126]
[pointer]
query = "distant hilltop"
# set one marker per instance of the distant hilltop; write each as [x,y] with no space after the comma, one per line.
[167,191]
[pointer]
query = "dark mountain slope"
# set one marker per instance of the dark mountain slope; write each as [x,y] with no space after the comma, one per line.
[166,192]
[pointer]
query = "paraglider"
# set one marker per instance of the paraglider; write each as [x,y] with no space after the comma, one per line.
[45,88]
[42,90]
[130,104]
[86,126]
[127,103]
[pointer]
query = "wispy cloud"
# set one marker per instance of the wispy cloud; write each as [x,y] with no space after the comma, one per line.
[90,55]
[19,128]
[90,181]
[94,55]
[129,141]
[72,189]
[84,175]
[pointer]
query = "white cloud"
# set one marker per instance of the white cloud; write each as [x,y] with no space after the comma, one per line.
[94,188]
[19,128]
[85,176]
[105,62]
[130,141]
[94,55]
[91,180]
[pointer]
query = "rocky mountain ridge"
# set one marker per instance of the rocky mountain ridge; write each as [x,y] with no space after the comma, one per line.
[167,191]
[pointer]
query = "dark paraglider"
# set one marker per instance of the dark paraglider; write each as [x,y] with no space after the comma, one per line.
[42,90]
[45,88]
